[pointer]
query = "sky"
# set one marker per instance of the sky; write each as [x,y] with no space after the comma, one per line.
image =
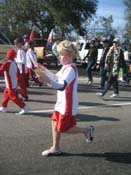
[115,8]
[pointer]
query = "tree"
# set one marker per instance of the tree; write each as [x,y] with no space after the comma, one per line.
[105,25]
[71,15]
[128,20]
[19,16]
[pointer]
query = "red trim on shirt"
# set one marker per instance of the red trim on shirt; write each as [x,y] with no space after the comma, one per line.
[69,93]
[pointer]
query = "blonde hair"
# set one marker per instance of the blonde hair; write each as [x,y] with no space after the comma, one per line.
[67,47]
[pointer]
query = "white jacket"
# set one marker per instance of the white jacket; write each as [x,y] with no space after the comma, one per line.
[31,59]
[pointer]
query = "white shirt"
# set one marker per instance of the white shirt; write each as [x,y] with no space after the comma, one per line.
[67,100]
[31,59]
[21,60]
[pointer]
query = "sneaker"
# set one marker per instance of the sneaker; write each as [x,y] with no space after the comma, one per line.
[89,82]
[24,99]
[51,152]
[2,109]
[114,96]
[90,133]
[24,110]
[100,94]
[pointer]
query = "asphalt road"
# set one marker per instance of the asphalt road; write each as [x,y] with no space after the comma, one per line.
[23,138]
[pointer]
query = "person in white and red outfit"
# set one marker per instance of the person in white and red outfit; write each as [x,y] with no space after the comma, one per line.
[21,62]
[11,72]
[31,62]
[65,82]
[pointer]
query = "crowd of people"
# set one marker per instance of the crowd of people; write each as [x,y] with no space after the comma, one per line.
[111,61]
[65,82]
[18,70]
[21,65]
[12,76]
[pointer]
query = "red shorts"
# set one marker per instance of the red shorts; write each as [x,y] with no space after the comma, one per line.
[63,122]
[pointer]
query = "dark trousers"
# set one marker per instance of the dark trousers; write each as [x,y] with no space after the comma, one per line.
[90,65]
[103,74]
[112,81]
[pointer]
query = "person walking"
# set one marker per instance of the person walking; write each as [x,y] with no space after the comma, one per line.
[21,63]
[55,52]
[114,60]
[65,82]
[102,70]
[31,62]
[11,72]
[91,59]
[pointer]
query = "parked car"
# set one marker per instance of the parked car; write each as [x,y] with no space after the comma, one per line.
[50,58]
[43,54]
[83,48]
[39,46]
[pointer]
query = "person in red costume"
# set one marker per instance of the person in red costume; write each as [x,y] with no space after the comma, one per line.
[11,72]
[21,63]
[31,62]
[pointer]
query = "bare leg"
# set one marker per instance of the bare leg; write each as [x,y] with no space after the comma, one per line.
[55,136]
[73,130]
[76,130]
[55,149]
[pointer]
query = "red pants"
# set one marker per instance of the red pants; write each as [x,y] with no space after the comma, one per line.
[63,122]
[11,94]
[23,85]
[32,75]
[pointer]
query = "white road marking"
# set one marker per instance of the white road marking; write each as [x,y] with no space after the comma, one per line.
[85,107]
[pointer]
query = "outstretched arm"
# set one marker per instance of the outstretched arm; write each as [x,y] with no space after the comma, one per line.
[47,72]
[54,84]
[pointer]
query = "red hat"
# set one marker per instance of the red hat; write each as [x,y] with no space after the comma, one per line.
[11,54]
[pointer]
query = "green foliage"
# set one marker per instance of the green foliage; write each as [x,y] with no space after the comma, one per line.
[128,20]
[106,25]
[68,15]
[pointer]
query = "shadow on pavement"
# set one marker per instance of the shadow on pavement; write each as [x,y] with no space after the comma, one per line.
[83,117]
[118,99]
[109,156]
[39,93]
[79,117]
[41,101]
[90,104]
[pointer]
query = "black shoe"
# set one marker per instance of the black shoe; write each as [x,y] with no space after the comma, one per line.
[40,84]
